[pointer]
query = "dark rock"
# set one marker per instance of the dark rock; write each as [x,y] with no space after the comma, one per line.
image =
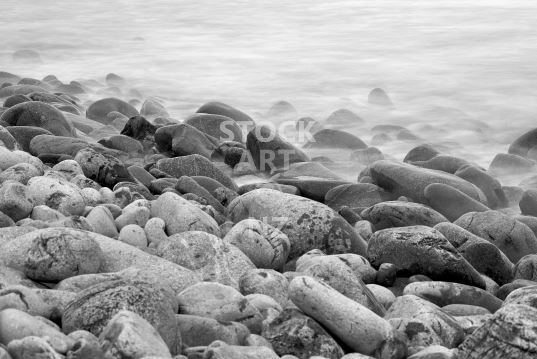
[401,214]
[480,253]
[194,165]
[218,108]
[526,268]
[379,97]
[445,163]
[269,151]
[358,195]
[344,116]
[491,187]
[410,181]
[38,114]
[512,237]
[524,143]
[102,168]
[422,250]
[220,127]
[506,289]
[15,100]
[508,164]
[386,274]
[99,110]
[140,129]
[184,140]
[451,202]
[329,138]
[528,202]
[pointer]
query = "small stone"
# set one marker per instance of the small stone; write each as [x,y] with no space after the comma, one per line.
[134,235]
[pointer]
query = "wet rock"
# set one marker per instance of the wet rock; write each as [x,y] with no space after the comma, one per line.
[140,129]
[93,308]
[451,202]
[508,164]
[379,97]
[481,254]
[355,325]
[220,127]
[218,108]
[188,185]
[24,134]
[445,293]
[292,332]
[512,237]
[330,138]
[421,153]
[129,335]
[358,195]
[38,114]
[344,116]
[410,181]
[422,250]
[444,163]
[266,246]
[401,214]
[184,140]
[270,152]
[491,187]
[99,110]
[524,143]
[151,108]
[220,302]
[367,156]
[307,224]
[501,335]
[122,143]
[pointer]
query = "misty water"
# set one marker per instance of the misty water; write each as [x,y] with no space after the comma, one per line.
[460,73]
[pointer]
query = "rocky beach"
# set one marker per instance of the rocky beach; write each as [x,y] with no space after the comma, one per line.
[262,221]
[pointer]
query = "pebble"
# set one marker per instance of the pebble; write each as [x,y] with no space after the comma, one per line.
[134,235]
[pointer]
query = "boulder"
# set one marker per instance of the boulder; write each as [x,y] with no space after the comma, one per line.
[512,237]
[184,140]
[330,138]
[99,110]
[220,127]
[422,250]
[451,202]
[307,224]
[401,214]
[38,114]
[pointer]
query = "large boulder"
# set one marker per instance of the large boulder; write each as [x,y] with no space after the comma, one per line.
[93,308]
[99,110]
[307,224]
[38,114]
[406,180]
[50,255]
[352,323]
[524,143]
[422,250]
[355,195]
[512,237]
[510,334]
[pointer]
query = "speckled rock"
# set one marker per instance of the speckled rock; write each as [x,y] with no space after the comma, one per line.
[401,214]
[307,224]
